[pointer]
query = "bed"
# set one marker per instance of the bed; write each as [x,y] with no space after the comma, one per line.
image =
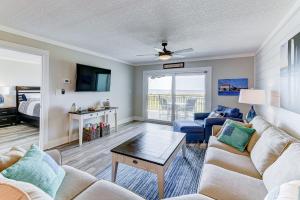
[28,101]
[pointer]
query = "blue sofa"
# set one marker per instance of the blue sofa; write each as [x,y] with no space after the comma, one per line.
[199,129]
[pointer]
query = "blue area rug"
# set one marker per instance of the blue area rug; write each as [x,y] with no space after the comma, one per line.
[182,176]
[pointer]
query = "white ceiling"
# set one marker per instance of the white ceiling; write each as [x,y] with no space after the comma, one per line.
[124,28]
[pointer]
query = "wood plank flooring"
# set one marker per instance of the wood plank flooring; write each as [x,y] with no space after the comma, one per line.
[95,156]
[20,135]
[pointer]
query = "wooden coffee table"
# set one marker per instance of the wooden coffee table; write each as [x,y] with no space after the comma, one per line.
[151,151]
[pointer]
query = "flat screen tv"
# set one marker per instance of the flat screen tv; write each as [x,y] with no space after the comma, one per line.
[92,79]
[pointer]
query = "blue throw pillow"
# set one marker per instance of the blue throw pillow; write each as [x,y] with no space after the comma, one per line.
[39,169]
[232,112]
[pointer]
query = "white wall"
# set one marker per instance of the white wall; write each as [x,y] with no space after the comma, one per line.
[62,65]
[221,69]
[267,76]
[15,73]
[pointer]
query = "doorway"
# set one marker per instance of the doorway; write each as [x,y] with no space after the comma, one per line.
[25,103]
[176,94]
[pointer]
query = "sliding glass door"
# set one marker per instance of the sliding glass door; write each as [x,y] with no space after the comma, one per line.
[173,96]
[159,98]
[189,95]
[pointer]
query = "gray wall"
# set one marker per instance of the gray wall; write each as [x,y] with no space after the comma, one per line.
[62,65]
[221,69]
[267,77]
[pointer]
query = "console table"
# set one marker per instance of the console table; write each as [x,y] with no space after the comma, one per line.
[84,115]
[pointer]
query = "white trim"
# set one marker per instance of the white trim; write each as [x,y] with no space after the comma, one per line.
[282,23]
[43,136]
[197,59]
[57,43]
[208,84]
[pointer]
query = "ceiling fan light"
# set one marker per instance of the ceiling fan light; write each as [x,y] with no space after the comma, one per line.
[165,57]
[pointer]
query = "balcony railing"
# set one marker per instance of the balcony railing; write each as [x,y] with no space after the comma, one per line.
[160,105]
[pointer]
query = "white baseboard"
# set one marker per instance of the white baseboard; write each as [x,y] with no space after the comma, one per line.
[63,140]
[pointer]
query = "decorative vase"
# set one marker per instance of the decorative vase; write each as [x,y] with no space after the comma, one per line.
[73,108]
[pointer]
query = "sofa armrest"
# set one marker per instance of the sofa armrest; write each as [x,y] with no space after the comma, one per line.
[200,116]
[216,129]
[56,155]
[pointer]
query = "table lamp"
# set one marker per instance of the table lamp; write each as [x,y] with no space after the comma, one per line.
[252,97]
[3,91]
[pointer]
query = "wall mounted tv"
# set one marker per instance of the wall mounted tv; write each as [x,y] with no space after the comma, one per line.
[92,79]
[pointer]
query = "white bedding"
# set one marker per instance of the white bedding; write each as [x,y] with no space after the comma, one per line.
[30,107]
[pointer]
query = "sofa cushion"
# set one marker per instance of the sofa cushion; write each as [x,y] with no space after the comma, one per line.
[269,147]
[287,191]
[260,125]
[108,191]
[220,183]
[236,135]
[75,182]
[190,197]
[286,168]
[234,162]
[213,142]
[188,126]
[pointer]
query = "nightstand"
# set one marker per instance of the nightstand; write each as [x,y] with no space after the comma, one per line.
[8,116]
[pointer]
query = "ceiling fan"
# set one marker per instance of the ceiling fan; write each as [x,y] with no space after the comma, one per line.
[164,54]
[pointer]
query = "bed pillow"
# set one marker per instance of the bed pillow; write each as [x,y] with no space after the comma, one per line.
[33,96]
[11,157]
[39,169]
[236,135]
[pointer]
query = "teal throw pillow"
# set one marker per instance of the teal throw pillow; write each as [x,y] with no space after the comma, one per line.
[236,135]
[37,168]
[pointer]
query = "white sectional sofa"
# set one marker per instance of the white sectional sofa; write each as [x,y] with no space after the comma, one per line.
[272,158]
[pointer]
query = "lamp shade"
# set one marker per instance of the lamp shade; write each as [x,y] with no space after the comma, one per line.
[252,96]
[4,90]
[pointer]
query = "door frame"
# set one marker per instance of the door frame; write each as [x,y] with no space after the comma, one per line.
[192,70]
[43,134]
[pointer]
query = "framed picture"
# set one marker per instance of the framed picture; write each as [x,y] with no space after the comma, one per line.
[290,75]
[173,65]
[231,87]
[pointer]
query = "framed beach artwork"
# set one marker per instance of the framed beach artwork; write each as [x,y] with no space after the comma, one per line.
[231,87]
[290,75]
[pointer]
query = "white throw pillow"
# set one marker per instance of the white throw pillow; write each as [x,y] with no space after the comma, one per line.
[287,191]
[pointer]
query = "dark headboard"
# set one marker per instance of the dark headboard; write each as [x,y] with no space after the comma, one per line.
[20,90]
